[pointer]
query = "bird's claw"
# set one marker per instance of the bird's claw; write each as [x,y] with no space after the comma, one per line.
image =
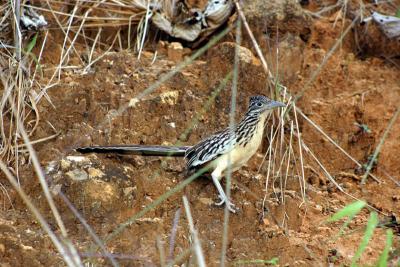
[231,207]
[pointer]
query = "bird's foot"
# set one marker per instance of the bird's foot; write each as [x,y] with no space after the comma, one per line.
[231,207]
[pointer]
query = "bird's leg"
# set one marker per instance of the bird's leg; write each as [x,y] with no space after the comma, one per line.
[222,195]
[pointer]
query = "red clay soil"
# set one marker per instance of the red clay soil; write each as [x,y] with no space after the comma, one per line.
[348,94]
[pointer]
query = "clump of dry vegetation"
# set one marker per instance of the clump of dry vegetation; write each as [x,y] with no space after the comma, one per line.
[92,30]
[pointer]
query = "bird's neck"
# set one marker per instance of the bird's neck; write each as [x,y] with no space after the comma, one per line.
[252,118]
[251,121]
[250,129]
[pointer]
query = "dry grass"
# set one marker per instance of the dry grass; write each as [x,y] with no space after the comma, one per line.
[84,22]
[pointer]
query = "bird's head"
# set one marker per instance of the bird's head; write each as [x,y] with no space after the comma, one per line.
[259,104]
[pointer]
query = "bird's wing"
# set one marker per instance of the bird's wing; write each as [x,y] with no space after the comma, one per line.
[210,148]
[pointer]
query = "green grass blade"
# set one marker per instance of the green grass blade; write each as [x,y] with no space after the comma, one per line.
[350,210]
[398,13]
[383,259]
[31,44]
[273,262]
[343,227]
[372,223]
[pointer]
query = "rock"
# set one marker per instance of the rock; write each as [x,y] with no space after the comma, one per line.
[290,50]
[101,191]
[26,247]
[274,229]
[148,54]
[175,52]
[170,97]
[318,208]
[226,53]
[65,164]
[95,173]
[78,159]
[77,175]
[51,167]
[128,190]
[258,176]
[55,189]
[2,248]
[347,185]
[287,14]
[206,201]
[162,48]
[138,161]
[221,61]
[172,165]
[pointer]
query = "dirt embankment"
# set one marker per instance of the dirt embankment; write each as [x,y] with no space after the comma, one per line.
[352,100]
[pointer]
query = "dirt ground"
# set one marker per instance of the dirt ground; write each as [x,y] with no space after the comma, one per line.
[353,90]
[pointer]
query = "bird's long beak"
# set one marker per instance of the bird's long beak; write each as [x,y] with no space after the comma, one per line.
[275,104]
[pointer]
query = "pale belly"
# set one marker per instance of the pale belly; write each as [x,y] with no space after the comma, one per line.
[240,154]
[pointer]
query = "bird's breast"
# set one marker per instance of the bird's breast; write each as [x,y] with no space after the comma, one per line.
[250,146]
[243,151]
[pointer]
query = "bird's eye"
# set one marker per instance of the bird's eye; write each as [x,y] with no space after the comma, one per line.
[259,104]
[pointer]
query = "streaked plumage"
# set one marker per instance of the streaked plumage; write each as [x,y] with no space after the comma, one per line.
[232,147]
[225,141]
[219,151]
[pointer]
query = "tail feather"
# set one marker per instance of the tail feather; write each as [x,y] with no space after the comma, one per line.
[145,150]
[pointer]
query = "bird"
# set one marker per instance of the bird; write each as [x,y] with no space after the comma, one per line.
[225,150]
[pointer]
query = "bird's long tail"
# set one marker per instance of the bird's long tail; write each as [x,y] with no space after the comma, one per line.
[144,150]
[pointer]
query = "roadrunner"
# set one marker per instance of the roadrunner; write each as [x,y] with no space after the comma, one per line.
[230,148]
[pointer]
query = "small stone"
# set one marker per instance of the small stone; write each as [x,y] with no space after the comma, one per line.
[347,185]
[51,166]
[162,48]
[128,190]
[26,247]
[300,262]
[147,54]
[133,102]
[2,248]
[138,161]
[266,222]
[324,229]
[95,173]
[272,229]
[102,192]
[206,201]
[318,208]
[65,164]
[396,197]
[127,169]
[78,159]
[56,189]
[172,166]
[170,97]
[258,176]
[175,52]
[77,175]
